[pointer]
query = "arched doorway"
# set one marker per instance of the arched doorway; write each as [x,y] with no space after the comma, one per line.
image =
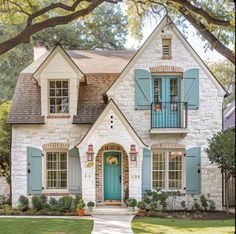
[109,158]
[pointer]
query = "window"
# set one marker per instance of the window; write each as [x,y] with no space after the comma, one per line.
[166,48]
[167,170]
[56,170]
[58,97]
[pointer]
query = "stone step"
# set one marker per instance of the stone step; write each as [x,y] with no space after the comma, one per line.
[110,210]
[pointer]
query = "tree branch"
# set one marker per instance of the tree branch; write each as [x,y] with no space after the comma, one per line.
[25,35]
[209,36]
[209,18]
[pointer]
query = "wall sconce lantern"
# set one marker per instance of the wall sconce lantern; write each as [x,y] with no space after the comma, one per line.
[90,153]
[133,153]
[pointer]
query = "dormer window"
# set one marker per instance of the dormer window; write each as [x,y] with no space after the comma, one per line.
[166,48]
[59,97]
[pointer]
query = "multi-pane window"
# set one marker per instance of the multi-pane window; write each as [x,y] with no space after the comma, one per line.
[157,90]
[56,170]
[58,97]
[158,170]
[167,170]
[173,94]
[166,48]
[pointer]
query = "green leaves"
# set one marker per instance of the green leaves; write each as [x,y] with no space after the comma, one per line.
[4,141]
[221,150]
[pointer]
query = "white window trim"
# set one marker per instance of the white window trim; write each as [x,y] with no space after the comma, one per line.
[48,98]
[182,190]
[45,173]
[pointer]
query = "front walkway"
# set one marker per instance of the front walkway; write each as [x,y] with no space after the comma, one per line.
[112,224]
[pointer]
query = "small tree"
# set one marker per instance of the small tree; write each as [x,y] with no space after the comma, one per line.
[221,150]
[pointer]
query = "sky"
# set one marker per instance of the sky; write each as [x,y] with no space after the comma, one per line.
[192,38]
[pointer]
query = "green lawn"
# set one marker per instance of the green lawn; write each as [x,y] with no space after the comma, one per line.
[45,226]
[148,225]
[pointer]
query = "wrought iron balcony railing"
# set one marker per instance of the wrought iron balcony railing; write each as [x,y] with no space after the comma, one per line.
[169,115]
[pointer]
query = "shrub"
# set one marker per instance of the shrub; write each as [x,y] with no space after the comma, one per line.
[81,204]
[4,199]
[24,203]
[37,203]
[204,202]
[153,206]
[53,201]
[196,206]
[91,204]
[183,204]
[75,201]
[141,205]
[132,202]
[65,203]
[212,205]
[44,200]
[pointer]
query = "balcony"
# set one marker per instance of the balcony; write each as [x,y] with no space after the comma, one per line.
[169,117]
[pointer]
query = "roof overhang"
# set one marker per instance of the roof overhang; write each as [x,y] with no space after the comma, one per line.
[112,106]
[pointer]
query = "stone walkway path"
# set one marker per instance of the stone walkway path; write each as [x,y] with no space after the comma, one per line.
[112,224]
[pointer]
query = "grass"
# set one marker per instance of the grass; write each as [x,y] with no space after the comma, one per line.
[148,225]
[45,226]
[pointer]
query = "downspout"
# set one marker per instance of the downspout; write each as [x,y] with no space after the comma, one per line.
[222,172]
[10,164]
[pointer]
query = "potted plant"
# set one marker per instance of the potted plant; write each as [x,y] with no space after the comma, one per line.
[142,208]
[132,202]
[90,206]
[80,207]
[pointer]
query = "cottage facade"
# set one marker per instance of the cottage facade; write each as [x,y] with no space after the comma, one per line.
[111,124]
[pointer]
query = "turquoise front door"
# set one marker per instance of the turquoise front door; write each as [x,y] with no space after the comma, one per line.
[166,98]
[112,176]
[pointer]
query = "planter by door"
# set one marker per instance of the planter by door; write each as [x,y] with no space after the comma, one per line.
[112,176]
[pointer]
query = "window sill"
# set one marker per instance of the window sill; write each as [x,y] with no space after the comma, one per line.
[58,116]
[166,57]
[55,193]
[182,131]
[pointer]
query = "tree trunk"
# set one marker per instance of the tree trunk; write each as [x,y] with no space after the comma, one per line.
[227,177]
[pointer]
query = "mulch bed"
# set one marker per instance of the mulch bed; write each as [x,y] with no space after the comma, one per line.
[217,215]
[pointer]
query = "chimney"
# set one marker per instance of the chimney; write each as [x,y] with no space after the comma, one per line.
[39,50]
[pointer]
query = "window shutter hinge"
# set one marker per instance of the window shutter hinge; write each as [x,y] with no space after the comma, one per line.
[184,154]
[42,155]
[184,188]
[42,188]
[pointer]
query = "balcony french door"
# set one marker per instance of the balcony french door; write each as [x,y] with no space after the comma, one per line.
[166,107]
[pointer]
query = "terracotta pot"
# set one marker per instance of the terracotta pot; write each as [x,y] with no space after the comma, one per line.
[142,212]
[80,212]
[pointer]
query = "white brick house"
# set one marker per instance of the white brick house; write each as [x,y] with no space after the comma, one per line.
[102,123]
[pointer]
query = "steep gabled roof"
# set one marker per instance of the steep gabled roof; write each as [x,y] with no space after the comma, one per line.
[112,106]
[166,20]
[50,56]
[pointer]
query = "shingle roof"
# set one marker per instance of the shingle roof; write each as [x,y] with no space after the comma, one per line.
[101,69]
[26,103]
[112,61]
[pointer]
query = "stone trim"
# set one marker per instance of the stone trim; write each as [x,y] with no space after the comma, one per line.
[58,146]
[168,146]
[99,170]
[167,69]
[166,37]
[56,194]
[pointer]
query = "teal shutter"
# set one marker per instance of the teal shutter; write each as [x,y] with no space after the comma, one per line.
[191,88]
[193,170]
[34,171]
[142,89]
[146,170]
[75,174]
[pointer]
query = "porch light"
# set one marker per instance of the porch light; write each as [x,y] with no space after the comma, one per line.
[90,153]
[133,153]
